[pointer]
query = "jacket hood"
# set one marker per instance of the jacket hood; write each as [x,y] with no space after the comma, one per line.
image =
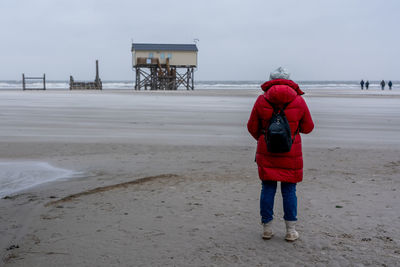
[281,91]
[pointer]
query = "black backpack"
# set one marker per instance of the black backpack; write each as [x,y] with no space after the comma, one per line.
[278,135]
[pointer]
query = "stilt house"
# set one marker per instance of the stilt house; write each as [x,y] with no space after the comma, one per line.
[164,66]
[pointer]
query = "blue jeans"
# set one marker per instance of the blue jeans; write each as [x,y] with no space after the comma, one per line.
[267,197]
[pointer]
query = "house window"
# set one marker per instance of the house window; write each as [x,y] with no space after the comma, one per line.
[169,55]
[162,55]
[150,55]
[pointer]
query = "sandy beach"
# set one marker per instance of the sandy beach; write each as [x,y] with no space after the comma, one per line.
[169,179]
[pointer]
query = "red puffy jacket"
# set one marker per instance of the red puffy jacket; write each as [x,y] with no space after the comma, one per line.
[285,167]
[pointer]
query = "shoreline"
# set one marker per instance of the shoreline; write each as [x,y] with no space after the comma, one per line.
[216,92]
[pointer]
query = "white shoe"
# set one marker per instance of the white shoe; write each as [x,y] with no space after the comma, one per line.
[267,230]
[291,233]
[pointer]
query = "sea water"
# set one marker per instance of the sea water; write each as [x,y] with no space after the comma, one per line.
[129,85]
[17,176]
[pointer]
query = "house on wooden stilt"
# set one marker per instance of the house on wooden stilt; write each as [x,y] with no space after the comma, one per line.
[164,66]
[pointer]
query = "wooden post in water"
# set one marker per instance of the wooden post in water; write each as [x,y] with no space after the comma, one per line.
[192,78]
[137,81]
[23,81]
[187,78]
[98,83]
[97,72]
[44,81]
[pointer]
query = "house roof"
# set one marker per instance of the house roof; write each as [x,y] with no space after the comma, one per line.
[164,47]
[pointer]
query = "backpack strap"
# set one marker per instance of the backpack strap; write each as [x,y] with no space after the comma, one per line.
[295,133]
[275,108]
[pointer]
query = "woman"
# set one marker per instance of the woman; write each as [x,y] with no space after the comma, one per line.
[287,168]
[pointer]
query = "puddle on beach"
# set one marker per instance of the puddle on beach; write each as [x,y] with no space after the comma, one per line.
[17,176]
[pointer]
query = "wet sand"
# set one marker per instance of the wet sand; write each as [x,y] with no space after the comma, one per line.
[168,178]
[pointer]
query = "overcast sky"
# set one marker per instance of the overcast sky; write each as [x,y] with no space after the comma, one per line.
[239,40]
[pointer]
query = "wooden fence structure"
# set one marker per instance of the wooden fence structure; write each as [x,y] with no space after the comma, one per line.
[24,79]
[96,85]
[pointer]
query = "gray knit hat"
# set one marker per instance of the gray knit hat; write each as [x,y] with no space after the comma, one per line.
[280,73]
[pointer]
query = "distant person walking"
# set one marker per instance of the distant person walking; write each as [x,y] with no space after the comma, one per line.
[383,84]
[366,85]
[362,84]
[281,97]
[390,84]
